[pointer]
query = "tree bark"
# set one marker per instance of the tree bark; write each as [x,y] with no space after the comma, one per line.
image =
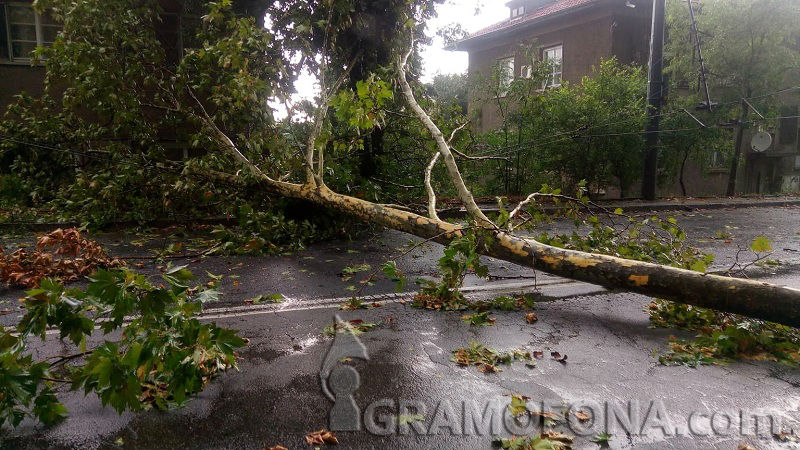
[755,299]
[737,151]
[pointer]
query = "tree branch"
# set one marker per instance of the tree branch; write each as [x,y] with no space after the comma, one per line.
[452,168]
[429,187]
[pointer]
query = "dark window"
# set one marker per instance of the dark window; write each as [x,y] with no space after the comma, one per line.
[168,33]
[23,29]
[788,128]
[3,33]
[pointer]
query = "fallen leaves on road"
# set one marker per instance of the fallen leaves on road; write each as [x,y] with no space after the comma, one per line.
[603,439]
[547,440]
[276,447]
[356,303]
[518,405]
[558,437]
[355,327]
[486,359]
[321,437]
[559,357]
[583,416]
[745,447]
[73,258]
[404,419]
[787,436]
[478,319]
[531,318]
[271,298]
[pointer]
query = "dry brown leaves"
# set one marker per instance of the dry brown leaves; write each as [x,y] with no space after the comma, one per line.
[321,437]
[531,317]
[557,436]
[276,447]
[581,415]
[62,254]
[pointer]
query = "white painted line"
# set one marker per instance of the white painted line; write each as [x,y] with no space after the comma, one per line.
[505,287]
[324,303]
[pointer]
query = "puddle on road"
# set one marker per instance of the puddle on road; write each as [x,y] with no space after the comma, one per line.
[302,345]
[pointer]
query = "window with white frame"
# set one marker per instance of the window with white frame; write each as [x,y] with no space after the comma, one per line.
[505,74]
[516,12]
[554,57]
[23,29]
[526,71]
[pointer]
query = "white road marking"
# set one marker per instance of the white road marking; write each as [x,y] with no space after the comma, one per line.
[325,303]
[293,304]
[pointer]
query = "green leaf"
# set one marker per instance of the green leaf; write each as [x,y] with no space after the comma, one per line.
[699,266]
[761,244]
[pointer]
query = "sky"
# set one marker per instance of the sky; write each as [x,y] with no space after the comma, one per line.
[471,14]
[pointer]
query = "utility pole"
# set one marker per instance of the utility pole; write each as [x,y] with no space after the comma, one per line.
[699,49]
[655,86]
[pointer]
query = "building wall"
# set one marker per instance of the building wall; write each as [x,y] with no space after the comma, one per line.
[18,78]
[587,37]
[21,76]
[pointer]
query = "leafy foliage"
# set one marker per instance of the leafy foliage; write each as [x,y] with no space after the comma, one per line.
[460,256]
[561,135]
[270,231]
[725,337]
[119,98]
[164,354]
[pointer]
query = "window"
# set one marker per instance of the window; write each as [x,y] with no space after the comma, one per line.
[788,126]
[516,12]
[505,75]
[553,56]
[526,71]
[24,29]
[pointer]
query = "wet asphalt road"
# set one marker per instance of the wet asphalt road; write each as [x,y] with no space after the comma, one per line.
[276,396]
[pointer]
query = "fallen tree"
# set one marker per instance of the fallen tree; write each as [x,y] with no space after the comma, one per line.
[254,64]
[755,299]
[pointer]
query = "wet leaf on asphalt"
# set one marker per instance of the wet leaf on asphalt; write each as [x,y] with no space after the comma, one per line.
[321,437]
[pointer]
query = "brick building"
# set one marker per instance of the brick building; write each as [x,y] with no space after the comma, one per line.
[22,29]
[574,34]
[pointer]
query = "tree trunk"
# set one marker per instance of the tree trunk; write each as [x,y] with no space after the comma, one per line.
[683,167]
[755,299]
[737,151]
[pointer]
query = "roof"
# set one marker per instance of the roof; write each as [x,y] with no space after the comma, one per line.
[553,9]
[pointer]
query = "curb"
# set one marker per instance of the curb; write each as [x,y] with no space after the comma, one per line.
[640,207]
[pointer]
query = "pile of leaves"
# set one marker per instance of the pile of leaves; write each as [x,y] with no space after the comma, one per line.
[546,440]
[722,337]
[321,437]
[487,359]
[728,338]
[164,354]
[63,255]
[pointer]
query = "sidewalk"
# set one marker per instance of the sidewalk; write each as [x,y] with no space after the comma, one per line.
[666,204]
